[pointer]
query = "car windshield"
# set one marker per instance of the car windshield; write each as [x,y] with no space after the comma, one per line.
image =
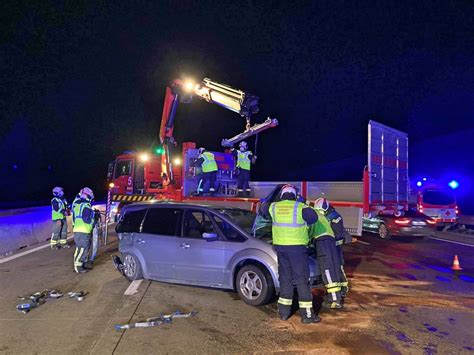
[243,218]
[437,197]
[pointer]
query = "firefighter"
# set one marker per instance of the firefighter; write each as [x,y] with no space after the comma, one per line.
[59,212]
[324,241]
[208,165]
[290,220]
[341,236]
[244,158]
[84,220]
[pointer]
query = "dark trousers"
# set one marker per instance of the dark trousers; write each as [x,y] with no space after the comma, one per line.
[243,180]
[59,234]
[208,182]
[293,270]
[82,241]
[328,259]
[340,261]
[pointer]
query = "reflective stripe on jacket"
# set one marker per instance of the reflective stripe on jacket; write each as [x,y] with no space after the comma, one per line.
[288,226]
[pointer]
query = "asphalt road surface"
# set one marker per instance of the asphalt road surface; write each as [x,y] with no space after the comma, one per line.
[404,298]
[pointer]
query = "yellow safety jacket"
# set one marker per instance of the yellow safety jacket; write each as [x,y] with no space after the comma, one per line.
[288,226]
[209,163]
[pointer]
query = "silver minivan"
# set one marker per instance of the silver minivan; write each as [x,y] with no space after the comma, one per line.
[199,245]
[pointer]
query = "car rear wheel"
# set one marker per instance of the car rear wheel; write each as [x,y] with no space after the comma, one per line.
[254,285]
[384,233]
[132,269]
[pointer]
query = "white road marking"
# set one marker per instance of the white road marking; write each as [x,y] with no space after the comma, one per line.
[133,288]
[26,252]
[452,241]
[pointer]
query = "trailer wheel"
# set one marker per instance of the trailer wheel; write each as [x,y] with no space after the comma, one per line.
[384,232]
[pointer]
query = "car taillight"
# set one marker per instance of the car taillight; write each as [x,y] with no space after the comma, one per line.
[430,221]
[402,221]
[457,210]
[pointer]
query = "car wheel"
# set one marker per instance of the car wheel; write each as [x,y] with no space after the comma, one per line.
[132,269]
[384,233]
[254,285]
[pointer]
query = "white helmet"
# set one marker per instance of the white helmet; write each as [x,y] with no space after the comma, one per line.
[58,191]
[201,150]
[288,189]
[243,145]
[87,193]
[321,204]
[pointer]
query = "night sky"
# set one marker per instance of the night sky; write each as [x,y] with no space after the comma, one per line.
[83,81]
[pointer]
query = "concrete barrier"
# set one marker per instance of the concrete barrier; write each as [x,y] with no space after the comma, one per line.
[22,228]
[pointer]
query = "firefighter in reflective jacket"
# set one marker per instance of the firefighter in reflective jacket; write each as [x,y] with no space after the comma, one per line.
[59,211]
[84,220]
[208,165]
[244,158]
[290,220]
[342,237]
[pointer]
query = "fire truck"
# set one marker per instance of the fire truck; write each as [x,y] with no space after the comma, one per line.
[172,175]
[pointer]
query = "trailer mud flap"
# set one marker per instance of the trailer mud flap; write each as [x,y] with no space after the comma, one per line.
[118,264]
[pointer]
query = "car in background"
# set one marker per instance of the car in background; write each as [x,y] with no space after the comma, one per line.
[201,245]
[409,223]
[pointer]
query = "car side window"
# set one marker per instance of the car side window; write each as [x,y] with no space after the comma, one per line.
[231,234]
[131,221]
[196,223]
[162,221]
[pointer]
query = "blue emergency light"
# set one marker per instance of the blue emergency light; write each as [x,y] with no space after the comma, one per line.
[419,183]
[453,184]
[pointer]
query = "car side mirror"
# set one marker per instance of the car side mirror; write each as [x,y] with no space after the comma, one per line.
[210,237]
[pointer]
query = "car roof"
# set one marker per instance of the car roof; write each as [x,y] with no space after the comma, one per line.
[147,204]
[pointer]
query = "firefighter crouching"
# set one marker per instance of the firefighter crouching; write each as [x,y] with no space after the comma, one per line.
[83,223]
[290,220]
[341,237]
[244,158]
[59,211]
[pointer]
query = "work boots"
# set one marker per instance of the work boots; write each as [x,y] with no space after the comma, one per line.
[284,311]
[332,305]
[308,316]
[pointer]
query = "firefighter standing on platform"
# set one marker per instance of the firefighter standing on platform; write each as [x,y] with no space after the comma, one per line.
[208,164]
[324,241]
[290,220]
[84,220]
[341,236]
[59,212]
[244,158]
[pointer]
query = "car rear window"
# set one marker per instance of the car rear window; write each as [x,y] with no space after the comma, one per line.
[131,221]
[163,221]
[436,197]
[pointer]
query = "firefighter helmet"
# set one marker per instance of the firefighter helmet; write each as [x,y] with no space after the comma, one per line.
[86,193]
[288,189]
[58,191]
[321,204]
[201,150]
[243,146]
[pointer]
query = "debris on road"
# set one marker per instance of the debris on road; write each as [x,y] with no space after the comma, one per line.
[36,299]
[156,321]
[77,295]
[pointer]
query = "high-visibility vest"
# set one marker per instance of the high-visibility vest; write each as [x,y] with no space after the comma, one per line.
[62,207]
[209,163]
[321,228]
[75,202]
[243,160]
[288,226]
[80,225]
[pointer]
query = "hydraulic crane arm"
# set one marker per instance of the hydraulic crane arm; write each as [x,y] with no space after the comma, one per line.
[245,104]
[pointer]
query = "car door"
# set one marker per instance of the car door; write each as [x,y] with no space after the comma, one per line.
[158,240]
[199,261]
